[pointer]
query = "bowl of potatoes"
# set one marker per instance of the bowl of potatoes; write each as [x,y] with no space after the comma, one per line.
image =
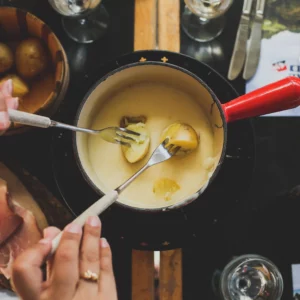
[33,58]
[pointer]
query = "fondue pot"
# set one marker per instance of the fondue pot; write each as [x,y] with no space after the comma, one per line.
[281,95]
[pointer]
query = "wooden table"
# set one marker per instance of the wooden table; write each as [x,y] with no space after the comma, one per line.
[157,26]
[264,223]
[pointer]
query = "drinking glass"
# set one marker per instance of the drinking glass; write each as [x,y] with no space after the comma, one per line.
[203,20]
[83,20]
[250,277]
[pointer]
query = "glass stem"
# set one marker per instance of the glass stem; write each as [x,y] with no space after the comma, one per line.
[82,21]
[203,21]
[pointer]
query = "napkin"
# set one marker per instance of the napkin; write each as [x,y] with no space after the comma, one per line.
[7,295]
[280,47]
[296,278]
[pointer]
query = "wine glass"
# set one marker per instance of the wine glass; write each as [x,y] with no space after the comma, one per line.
[250,277]
[83,20]
[203,20]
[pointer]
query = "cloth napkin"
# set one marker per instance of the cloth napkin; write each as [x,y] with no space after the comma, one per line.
[7,295]
[280,47]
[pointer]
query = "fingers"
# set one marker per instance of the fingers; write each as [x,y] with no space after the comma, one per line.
[12,102]
[65,269]
[107,285]
[50,233]
[89,254]
[27,275]
[7,88]
[6,101]
[4,119]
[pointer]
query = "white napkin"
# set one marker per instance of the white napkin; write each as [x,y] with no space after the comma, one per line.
[280,57]
[8,295]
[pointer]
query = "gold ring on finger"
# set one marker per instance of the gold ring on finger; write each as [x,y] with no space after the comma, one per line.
[90,276]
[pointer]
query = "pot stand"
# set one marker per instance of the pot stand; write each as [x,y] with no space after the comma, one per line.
[165,230]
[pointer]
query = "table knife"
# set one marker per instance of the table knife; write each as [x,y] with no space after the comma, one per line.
[253,53]
[240,46]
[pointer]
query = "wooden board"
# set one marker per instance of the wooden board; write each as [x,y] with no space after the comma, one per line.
[145,29]
[157,25]
[142,275]
[33,195]
[55,213]
[170,279]
[169,25]
[145,33]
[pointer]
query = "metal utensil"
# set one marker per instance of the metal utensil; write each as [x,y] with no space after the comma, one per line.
[240,46]
[115,135]
[160,154]
[253,53]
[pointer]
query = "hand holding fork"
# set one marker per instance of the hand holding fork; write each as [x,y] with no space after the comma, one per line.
[115,135]
[162,153]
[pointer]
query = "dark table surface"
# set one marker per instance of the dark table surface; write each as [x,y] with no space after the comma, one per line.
[265,223]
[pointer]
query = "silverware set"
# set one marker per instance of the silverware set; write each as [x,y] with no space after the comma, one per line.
[246,50]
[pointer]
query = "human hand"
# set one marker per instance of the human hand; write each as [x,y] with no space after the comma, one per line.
[6,101]
[76,254]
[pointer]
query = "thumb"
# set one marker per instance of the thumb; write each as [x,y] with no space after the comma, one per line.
[27,275]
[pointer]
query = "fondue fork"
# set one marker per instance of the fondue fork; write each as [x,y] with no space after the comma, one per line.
[115,135]
[162,153]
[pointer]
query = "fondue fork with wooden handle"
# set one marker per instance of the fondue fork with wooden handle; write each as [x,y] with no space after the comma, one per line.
[115,135]
[162,153]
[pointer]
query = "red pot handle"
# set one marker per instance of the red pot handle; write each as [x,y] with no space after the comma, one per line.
[280,95]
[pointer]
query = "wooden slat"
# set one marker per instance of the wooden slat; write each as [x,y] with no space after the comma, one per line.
[169,25]
[145,32]
[142,275]
[144,39]
[170,280]
[145,25]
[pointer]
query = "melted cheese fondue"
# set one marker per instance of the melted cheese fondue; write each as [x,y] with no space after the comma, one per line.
[162,105]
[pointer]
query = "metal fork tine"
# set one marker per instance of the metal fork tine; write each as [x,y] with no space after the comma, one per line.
[176,150]
[172,149]
[165,142]
[158,156]
[122,143]
[122,136]
[127,131]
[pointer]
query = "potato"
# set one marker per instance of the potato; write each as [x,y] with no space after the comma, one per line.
[165,188]
[182,135]
[20,88]
[126,120]
[139,148]
[6,58]
[31,58]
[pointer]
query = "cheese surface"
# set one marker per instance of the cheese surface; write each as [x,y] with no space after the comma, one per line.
[162,105]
